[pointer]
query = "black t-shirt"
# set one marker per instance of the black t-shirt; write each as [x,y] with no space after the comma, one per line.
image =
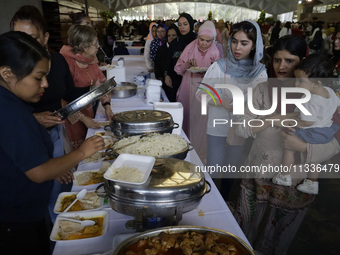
[60,86]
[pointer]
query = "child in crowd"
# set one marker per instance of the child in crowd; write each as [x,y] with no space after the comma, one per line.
[317,128]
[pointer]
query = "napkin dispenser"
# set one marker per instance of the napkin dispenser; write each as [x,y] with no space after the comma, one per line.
[153,91]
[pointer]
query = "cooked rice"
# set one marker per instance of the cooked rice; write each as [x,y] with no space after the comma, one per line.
[152,145]
[126,173]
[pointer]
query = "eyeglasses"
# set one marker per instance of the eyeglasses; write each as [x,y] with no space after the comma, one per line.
[96,44]
[160,31]
[244,26]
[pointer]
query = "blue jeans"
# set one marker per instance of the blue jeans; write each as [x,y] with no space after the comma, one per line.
[56,135]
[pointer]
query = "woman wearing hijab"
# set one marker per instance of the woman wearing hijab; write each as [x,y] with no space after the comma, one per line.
[172,79]
[242,67]
[150,38]
[275,32]
[201,52]
[158,41]
[161,57]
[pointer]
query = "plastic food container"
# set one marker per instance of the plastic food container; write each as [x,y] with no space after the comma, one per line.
[83,215]
[62,195]
[143,164]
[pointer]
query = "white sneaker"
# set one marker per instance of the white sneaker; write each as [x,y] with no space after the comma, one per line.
[309,187]
[284,180]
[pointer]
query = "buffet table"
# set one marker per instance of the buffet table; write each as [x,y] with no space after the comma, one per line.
[211,212]
[133,65]
[135,50]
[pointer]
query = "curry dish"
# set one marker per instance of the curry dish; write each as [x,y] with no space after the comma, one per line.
[187,243]
[69,230]
[90,201]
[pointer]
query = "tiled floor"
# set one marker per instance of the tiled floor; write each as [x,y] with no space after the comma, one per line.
[319,232]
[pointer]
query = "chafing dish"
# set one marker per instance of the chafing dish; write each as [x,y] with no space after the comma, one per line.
[173,188]
[141,122]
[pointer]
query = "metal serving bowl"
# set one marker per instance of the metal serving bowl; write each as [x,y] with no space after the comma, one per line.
[241,246]
[86,99]
[124,90]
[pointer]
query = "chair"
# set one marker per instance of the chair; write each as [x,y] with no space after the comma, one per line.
[121,49]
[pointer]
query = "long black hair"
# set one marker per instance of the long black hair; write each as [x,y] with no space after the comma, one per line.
[294,44]
[21,53]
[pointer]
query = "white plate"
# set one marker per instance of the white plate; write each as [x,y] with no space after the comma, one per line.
[65,194]
[103,133]
[107,67]
[143,163]
[202,70]
[86,215]
[102,122]
[94,161]
[108,140]
[90,186]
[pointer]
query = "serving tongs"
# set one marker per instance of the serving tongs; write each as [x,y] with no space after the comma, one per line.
[112,152]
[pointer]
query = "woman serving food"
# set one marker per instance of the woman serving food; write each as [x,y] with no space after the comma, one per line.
[26,151]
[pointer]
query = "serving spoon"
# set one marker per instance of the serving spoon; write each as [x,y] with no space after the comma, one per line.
[81,194]
[83,223]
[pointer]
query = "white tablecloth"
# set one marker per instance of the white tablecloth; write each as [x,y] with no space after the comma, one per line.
[212,211]
[127,42]
[134,65]
[135,50]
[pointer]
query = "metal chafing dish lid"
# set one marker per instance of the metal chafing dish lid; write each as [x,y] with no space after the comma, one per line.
[86,99]
[142,119]
[171,180]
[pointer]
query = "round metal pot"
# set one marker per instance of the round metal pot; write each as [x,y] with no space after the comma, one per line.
[124,90]
[141,122]
[173,188]
[86,99]
[240,245]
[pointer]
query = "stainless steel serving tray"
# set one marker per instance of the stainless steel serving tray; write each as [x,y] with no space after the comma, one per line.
[86,99]
[119,92]
[241,246]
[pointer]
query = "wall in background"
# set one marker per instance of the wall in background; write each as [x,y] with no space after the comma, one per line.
[8,8]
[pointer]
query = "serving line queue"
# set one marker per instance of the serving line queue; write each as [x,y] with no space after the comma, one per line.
[212,211]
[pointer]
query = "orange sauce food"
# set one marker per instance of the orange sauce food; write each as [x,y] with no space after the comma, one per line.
[190,242]
[67,200]
[87,232]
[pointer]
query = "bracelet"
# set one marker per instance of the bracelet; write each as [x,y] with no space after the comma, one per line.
[106,103]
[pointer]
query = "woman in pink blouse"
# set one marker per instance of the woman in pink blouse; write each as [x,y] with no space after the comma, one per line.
[81,58]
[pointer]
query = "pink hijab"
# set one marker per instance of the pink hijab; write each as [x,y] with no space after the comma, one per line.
[203,58]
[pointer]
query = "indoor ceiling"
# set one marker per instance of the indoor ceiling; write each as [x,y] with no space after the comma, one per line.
[270,6]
